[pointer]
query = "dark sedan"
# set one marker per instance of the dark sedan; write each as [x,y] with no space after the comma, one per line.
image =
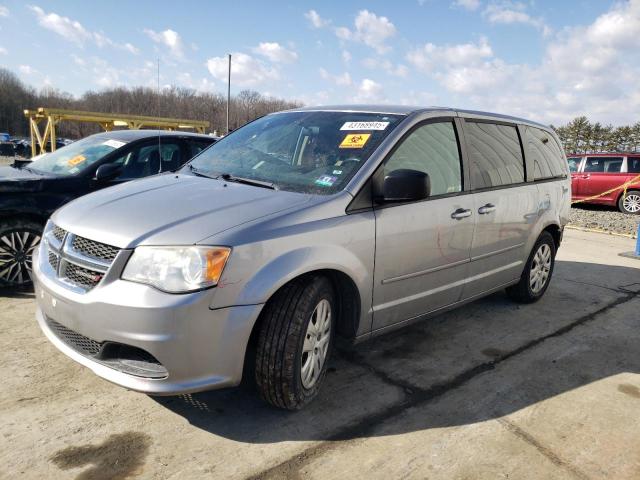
[31,191]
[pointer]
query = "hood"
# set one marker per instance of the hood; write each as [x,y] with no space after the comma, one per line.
[170,210]
[15,179]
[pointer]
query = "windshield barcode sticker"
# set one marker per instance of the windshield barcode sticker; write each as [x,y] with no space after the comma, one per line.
[114,143]
[364,126]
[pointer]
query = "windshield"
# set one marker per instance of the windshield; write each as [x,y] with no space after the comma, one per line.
[310,152]
[77,156]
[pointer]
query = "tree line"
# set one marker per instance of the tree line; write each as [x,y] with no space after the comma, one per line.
[578,136]
[174,102]
[582,136]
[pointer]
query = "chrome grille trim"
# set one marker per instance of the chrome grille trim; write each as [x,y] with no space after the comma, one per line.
[93,249]
[76,269]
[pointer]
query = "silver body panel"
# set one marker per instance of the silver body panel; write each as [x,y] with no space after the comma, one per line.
[406,261]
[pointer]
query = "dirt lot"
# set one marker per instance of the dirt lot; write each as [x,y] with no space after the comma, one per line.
[493,390]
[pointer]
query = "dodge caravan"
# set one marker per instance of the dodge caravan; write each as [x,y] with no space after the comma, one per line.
[296,229]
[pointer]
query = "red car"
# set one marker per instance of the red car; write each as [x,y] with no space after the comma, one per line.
[594,174]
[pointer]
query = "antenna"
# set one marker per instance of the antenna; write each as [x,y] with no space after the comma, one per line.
[159,140]
[228,93]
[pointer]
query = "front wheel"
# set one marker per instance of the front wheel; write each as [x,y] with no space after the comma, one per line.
[630,203]
[294,343]
[18,240]
[537,272]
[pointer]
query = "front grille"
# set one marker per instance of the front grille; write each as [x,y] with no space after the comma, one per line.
[75,340]
[58,233]
[77,261]
[54,260]
[94,249]
[81,276]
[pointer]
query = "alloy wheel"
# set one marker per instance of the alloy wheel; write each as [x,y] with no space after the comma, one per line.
[540,268]
[316,344]
[631,203]
[16,255]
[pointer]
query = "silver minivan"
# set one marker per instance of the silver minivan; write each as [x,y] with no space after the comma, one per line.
[301,227]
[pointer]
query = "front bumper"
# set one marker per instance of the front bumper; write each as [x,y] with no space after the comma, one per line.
[200,348]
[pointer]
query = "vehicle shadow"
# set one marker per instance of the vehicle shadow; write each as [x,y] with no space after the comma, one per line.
[529,353]
[17,292]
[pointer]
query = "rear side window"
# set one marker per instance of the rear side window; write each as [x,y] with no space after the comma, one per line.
[495,154]
[545,154]
[603,164]
[633,164]
[432,149]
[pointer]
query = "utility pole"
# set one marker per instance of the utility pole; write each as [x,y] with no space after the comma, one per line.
[228,93]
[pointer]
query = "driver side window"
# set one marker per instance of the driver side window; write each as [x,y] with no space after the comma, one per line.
[432,149]
[144,160]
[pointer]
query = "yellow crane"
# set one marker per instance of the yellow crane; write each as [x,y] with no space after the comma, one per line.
[106,120]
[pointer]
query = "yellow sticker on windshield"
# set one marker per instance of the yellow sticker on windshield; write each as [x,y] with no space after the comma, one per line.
[355,140]
[76,160]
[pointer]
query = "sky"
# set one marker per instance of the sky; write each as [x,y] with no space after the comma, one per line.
[547,60]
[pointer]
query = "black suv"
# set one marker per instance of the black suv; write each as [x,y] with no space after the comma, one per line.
[31,191]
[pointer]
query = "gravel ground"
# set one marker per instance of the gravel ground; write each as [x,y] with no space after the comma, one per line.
[604,218]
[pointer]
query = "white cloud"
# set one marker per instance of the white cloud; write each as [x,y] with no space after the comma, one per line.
[169,39]
[3,51]
[467,4]
[507,12]
[202,85]
[590,70]
[397,70]
[346,56]
[276,52]
[369,91]
[245,70]
[343,79]
[370,29]
[104,74]
[4,11]
[27,69]
[69,29]
[431,57]
[316,20]
[74,31]
[78,60]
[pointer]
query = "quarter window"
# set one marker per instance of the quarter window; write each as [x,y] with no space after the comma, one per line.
[432,149]
[495,154]
[633,164]
[603,164]
[547,157]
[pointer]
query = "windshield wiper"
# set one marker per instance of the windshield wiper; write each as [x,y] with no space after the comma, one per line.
[199,173]
[247,181]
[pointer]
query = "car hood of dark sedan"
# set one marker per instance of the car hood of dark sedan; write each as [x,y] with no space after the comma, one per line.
[15,179]
[170,210]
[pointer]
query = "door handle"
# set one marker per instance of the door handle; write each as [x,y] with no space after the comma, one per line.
[461,213]
[488,208]
[586,176]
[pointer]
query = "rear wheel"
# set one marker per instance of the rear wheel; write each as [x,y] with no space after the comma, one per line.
[630,203]
[18,240]
[295,341]
[537,273]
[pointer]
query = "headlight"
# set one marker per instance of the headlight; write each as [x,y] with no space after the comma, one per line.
[177,269]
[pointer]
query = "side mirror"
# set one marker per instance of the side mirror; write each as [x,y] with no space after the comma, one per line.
[108,171]
[405,185]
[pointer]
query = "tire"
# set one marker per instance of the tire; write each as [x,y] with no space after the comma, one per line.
[541,259]
[18,240]
[630,203]
[288,341]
